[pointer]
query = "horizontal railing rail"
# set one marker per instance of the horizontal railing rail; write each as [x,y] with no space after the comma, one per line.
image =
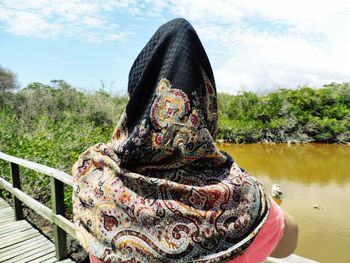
[62,225]
[59,175]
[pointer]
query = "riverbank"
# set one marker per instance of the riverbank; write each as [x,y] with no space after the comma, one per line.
[290,142]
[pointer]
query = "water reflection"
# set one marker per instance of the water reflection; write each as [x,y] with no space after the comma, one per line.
[306,163]
[313,175]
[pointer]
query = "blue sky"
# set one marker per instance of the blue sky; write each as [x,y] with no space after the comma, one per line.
[253,45]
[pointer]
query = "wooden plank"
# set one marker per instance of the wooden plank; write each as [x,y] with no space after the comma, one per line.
[47,258]
[290,259]
[6,214]
[51,260]
[24,243]
[18,239]
[6,241]
[36,249]
[2,206]
[21,250]
[6,209]
[59,175]
[14,229]
[31,255]
[5,220]
[18,233]
[57,197]
[6,225]
[6,217]
[13,223]
[16,183]
[41,209]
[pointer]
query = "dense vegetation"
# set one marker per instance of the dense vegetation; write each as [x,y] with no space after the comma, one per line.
[52,124]
[302,115]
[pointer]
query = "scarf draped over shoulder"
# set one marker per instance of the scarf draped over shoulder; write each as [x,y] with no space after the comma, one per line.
[161,191]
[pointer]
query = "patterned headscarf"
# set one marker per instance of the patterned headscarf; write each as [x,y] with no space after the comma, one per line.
[162,191]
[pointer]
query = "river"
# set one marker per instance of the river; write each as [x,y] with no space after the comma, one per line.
[311,175]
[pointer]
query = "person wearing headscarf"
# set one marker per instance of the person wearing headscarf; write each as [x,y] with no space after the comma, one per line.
[161,190]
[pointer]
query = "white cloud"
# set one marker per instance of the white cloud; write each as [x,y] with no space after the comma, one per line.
[261,61]
[256,45]
[208,10]
[31,24]
[89,20]
[118,36]
[272,43]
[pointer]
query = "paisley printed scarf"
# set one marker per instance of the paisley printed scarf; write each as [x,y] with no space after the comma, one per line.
[162,191]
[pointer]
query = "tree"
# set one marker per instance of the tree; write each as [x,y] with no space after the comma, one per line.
[8,80]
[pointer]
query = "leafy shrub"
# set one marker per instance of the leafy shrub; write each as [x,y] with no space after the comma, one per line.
[302,115]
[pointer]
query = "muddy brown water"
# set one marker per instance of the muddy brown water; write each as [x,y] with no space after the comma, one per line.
[315,180]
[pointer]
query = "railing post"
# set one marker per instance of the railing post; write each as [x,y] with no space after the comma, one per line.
[16,183]
[57,199]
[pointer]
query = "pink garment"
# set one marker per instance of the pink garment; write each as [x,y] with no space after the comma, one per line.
[263,244]
[94,260]
[267,239]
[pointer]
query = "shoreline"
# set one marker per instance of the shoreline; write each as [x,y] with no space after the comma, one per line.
[222,141]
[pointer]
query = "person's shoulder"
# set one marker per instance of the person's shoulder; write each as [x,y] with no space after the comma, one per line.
[289,240]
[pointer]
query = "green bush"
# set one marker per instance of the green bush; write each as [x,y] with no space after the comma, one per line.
[302,115]
[52,125]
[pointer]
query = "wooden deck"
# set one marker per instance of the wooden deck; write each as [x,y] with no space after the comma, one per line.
[291,259]
[20,242]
